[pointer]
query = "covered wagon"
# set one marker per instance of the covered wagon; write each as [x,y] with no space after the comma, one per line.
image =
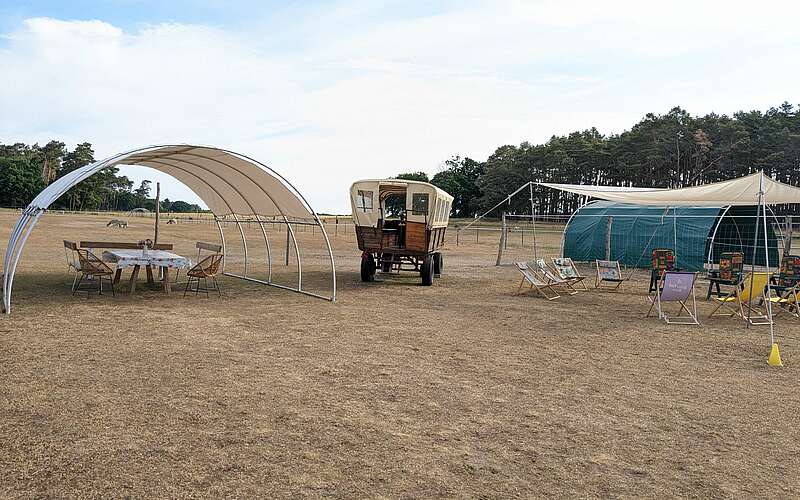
[400,226]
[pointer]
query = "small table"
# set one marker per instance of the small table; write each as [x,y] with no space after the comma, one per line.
[153,258]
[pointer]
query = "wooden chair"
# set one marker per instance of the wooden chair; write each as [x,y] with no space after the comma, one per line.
[731,266]
[676,286]
[788,286]
[752,287]
[608,271]
[206,268]
[567,270]
[93,268]
[551,278]
[536,283]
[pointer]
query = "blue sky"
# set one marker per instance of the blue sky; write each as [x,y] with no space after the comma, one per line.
[329,92]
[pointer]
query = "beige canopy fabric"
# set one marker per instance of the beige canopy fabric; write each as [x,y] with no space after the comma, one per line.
[367,204]
[228,183]
[741,191]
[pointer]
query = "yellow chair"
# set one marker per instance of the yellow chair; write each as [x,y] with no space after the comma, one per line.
[750,291]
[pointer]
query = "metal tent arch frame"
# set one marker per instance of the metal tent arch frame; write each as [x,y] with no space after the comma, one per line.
[233,185]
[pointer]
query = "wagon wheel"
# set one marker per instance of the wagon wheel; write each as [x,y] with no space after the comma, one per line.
[427,270]
[438,264]
[367,268]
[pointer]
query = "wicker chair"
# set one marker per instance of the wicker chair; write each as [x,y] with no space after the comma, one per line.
[73,264]
[95,269]
[206,268]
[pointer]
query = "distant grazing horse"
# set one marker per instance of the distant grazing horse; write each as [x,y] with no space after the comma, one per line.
[117,223]
[172,221]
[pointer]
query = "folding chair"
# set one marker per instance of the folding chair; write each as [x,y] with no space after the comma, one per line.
[731,265]
[676,286]
[567,270]
[542,288]
[551,278]
[788,287]
[608,271]
[752,287]
[662,260]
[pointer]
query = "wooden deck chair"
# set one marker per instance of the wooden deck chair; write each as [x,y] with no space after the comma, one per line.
[736,302]
[676,286]
[788,287]
[552,278]
[536,283]
[566,270]
[608,271]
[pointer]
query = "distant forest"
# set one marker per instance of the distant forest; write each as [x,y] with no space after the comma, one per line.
[672,150]
[25,170]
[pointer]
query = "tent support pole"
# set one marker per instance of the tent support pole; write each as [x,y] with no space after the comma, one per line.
[762,197]
[533,220]
[18,253]
[714,235]
[269,252]
[244,243]
[222,239]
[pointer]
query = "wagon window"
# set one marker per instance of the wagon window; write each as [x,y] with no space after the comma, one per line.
[364,201]
[419,204]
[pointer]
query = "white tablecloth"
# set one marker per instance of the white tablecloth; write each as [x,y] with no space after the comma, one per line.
[156,258]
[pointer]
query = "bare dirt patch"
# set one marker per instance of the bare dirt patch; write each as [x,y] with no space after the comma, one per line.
[396,390]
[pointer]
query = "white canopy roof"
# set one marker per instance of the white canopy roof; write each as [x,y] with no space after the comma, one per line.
[741,191]
[227,182]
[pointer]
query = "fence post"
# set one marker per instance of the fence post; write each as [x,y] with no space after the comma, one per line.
[502,245]
[608,237]
[787,245]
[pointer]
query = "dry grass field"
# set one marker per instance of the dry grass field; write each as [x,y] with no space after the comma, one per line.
[396,390]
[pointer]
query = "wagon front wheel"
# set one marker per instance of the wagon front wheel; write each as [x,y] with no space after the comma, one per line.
[367,268]
[426,271]
[438,264]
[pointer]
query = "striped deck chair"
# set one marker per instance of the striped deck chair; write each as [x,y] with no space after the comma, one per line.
[567,270]
[608,271]
[676,286]
[552,278]
[736,302]
[536,283]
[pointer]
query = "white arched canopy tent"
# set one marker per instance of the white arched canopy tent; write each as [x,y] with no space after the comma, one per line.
[236,188]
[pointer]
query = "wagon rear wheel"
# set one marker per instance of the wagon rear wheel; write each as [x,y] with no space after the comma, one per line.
[367,268]
[426,271]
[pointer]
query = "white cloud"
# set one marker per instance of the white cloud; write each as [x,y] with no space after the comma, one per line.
[341,94]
